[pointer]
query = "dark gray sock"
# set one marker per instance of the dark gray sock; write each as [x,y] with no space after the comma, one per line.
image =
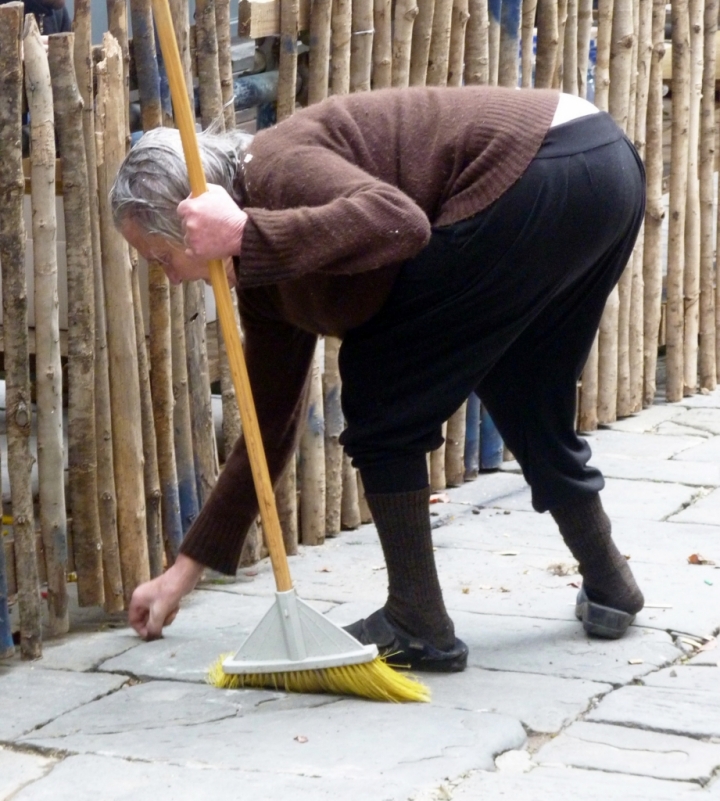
[606,574]
[415,599]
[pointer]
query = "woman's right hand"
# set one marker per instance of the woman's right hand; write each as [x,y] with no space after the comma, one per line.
[155,603]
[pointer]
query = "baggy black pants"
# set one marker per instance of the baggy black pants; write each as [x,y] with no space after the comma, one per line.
[506,303]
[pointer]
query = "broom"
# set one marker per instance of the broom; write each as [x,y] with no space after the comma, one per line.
[294,647]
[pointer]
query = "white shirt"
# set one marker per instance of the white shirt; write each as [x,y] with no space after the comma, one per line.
[571,107]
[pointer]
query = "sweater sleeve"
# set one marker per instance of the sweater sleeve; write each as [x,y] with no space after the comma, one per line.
[311,210]
[278,357]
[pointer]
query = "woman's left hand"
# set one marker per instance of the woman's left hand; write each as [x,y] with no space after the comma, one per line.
[213,224]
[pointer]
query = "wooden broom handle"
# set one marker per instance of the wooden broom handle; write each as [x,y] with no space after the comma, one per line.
[251,430]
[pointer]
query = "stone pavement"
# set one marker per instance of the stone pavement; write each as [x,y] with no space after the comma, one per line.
[542,712]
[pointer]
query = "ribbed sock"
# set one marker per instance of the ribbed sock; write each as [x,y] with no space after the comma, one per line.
[607,577]
[415,599]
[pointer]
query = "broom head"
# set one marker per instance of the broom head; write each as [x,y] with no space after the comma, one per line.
[297,649]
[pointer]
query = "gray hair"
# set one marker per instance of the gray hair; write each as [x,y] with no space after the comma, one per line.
[153,178]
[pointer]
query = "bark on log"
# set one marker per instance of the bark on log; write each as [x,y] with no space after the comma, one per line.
[570,50]
[82,448]
[678,199]
[122,345]
[350,516]
[691,276]
[547,43]
[319,66]
[106,498]
[455,448]
[187,485]
[334,425]
[340,40]
[529,10]
[311,470]
[118,27]
[460,16]
[583,44]
[509,43]
[48,370]
[438,58]
[557,81]
[494,14]
[208,68]
[151,474]
[382,45]
[224,38]
[422,35]
[438,481]
[146,67]
[287,69]
[602,58]
[477,55]
[406,12]
[287,503]
[654,212]
[708,368]
[361,45]
[14,292]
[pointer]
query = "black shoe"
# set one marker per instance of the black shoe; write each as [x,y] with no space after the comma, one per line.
[599,620]
[402,650]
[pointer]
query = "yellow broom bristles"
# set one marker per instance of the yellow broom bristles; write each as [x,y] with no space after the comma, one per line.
[375,680]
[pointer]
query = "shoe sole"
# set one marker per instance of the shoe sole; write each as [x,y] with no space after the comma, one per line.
[602,621]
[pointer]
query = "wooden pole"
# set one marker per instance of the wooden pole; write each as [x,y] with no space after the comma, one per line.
[455,448]
[678,199]
[691,275]
[107,502]
[208,68]
[382,45]
[340,41]
[583,44]
[708,369]
[350,514]
[48,370]
[602,58]
[365,513]
[406,12]
[509,43]
[654,212]
[334,424]
[222,22]
[319,66]
[547,43]
[494,14]
[311,471]
[460,16]
[287,503]
[422,35]
[477,55]
[287,69]
[529,10]
[117,12]
[361,45]
[122,344]
[562,13]
[14,292]
[7,646]
[570,50]
[82,447]
[438,58]
[637,334]
[438,481]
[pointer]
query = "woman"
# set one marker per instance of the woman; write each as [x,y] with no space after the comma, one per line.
[456,240]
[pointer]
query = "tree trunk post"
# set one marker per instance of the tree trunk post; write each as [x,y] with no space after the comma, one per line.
[494,14]
[340,41]
[547,43]
[287,503]
[570,50]
[455,448]
[319,66]
[509,43]
[48,370]
[438,58]
[477,54]
[421,38]
[334,424]
[14,292]
[529,10]
[287,69]
[350,515]
[406,12]
[583,44]
[382,45]
[311,475]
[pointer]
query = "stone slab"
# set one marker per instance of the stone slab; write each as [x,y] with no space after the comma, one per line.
[707,451]
[209,625]
[18,769]
[705,510]
[687,703]
[31,697]
[648,500]
[85,651]
[322,736]
[544,704]
[672,428]
[641,446]
[696,474]
[550,784]
[647,420]
[619,749]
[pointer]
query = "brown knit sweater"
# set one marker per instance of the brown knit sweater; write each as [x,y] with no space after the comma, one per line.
[338,197]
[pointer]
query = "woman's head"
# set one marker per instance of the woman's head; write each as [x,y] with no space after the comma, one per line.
[153,180]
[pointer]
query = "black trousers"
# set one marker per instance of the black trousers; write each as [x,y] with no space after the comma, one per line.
[506,303]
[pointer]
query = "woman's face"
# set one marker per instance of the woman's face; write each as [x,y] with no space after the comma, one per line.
[171,256]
